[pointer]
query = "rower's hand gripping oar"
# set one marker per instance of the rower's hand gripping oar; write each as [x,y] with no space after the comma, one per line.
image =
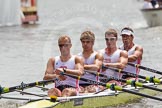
[111,86]
[150,79]
[145,68]
[133,83]
[24,86]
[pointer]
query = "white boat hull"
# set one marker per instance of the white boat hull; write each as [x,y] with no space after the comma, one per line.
[153,16]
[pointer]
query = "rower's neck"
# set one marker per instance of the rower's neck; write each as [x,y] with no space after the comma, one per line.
[127,48]
[86,54]
[65,58]
[110,51]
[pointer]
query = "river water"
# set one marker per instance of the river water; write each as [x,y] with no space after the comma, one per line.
[25,49]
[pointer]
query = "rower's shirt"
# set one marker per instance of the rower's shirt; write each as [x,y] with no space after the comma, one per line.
[113,58]
[88,61]
[70,64]
[129,68]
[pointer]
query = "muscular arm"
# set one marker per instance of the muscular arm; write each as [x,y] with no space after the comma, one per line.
[79,67]
[123,60]
[137,54]
[97,63]
[49,73]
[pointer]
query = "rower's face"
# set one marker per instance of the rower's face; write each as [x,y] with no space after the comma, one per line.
[87,44]
[110,40]
[64,47]
[127,40]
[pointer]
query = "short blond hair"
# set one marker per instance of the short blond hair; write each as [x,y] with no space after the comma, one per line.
[87,35]
[111,31]
[64,38]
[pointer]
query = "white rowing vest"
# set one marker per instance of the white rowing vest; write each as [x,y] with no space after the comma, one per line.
[70,64]
[114,58]
[129,68]
[88,61]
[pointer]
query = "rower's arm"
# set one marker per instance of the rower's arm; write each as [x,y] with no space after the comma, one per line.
[49,73]
[79,67]
[97,63]
[123,60]
[137,54]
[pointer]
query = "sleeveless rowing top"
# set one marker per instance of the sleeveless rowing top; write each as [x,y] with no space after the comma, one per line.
[129,68]
[113,58]
[88,61]
[70,64]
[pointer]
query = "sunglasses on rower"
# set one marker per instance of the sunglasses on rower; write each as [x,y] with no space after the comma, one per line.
[63,45]
[110,38]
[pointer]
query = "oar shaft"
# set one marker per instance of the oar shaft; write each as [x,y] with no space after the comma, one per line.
[27,93]
[24,86]
[5,97]
[145,68]
[151,79]
[152,88]
[141,94]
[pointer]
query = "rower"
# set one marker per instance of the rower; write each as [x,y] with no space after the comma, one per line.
[113,57]
[67,63]
[92,60]
[135,51]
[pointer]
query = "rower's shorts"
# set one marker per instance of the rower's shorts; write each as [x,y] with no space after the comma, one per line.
[84,85]
[62,87]
[126,76]
[104,80]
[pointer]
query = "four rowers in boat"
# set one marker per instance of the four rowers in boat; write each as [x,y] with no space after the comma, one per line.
[111,56]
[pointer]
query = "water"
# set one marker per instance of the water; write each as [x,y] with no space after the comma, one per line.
[24,50]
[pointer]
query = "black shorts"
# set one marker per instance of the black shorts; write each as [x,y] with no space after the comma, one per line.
[105,80]
[84,85]
[62,87]
[127,76]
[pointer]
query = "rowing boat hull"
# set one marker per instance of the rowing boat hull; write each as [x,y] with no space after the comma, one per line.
[97,101]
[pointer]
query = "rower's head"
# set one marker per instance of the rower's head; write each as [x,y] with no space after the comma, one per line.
[127,31]
[111,37]
[87,35]
[87,39]
[64,43]
[127,36]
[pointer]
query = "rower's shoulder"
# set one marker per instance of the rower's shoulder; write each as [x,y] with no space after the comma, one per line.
[51,59]
[78,58]
[98,56]
[123,53]
[139,47]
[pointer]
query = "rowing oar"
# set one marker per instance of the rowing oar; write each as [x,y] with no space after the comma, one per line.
[24,86]
[112,86]
[147,78]
[133,83]
[145,68]
[27,93]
